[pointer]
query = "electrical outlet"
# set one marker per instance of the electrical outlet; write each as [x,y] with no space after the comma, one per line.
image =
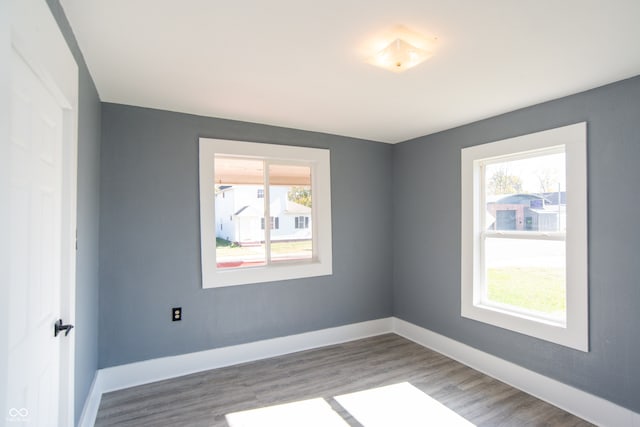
[176,314]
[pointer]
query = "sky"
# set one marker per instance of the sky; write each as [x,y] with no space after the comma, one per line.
[530,169]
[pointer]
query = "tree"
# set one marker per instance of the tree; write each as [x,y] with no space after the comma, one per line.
[501,182]
[548,180]
[300,195]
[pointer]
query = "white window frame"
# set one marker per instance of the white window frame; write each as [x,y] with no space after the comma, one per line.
[573,333]
[321,262]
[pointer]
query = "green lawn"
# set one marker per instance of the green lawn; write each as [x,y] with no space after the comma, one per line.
[225,248]
[293,246]
[535,289]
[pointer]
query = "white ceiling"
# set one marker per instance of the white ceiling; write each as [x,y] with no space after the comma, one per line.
[301,63]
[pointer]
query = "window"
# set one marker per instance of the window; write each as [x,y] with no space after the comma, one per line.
[284,178]
[524,235]
[301,222]
[274,223]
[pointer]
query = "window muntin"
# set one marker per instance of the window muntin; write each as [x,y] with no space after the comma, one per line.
[287,177]
[525,245]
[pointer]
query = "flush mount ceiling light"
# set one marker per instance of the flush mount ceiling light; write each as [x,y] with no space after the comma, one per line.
[399,56]
[401,49]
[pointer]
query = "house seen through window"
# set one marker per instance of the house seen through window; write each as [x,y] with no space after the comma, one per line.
[283,192]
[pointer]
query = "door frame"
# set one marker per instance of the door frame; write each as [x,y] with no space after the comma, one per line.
[36,37]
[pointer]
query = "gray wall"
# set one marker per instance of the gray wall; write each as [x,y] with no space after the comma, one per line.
[150,241]
[86,322]
[427,240]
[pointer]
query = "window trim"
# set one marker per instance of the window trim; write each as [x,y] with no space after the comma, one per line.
[575,333]
[321,262]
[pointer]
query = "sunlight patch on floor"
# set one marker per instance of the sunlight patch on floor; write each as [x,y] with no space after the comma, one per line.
[399,405]
[308,413]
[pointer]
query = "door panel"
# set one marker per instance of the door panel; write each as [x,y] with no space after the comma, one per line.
[35,270]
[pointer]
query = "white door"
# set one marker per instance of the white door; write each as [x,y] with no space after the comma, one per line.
[42,171]
[35,220]
[244,229]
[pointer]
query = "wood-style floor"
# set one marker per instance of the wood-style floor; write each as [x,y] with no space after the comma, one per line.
[203,399]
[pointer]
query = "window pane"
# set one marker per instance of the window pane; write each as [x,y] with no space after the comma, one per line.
[290,202]
[239,212]
[526,274]
[526,194]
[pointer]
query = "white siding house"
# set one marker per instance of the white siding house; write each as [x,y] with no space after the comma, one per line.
[239,214]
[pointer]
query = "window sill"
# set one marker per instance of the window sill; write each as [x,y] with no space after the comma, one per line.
[271,273]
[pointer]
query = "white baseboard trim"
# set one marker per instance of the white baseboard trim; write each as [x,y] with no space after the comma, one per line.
[91,405]
[587,406]
[133,374]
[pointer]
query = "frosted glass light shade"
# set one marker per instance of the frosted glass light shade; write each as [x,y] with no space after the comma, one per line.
[399,56]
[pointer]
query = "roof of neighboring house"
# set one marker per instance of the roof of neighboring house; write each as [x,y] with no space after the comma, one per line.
[250,210]
[544,211]
[257,209]
[519,199]
[553,197]
[222,188]
[296,208]
[241,210]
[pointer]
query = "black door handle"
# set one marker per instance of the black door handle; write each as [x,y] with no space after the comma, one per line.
[59,327]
